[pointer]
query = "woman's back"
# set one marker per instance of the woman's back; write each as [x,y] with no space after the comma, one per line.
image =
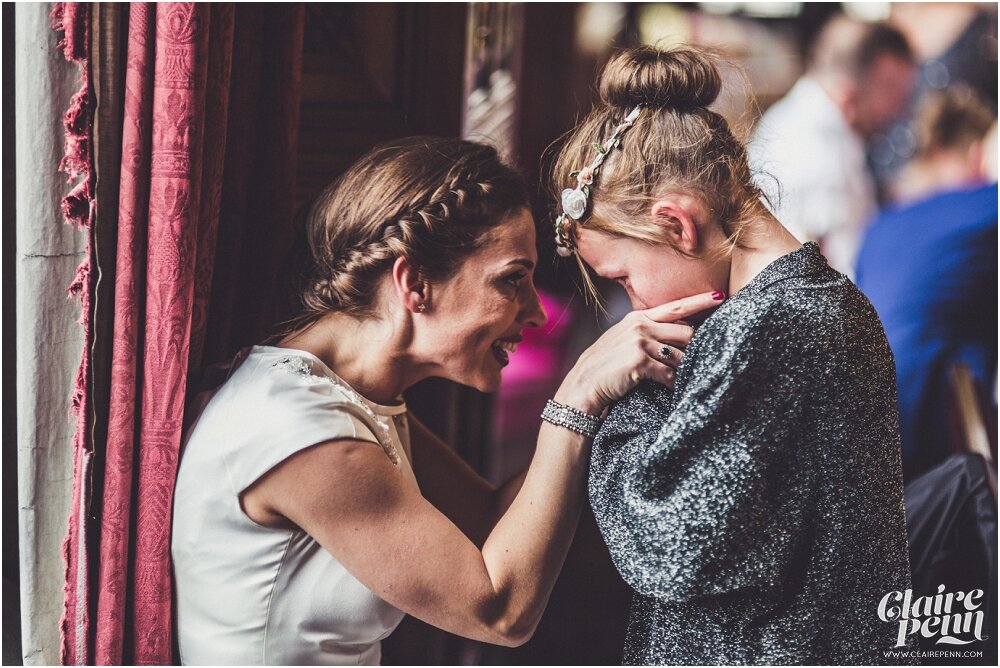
[930,270]
[248,594]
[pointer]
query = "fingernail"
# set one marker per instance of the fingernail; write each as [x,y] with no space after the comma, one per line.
[718,295]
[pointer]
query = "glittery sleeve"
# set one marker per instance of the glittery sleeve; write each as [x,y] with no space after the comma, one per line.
[689,490]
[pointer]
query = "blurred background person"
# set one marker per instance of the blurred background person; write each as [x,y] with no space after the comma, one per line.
[810,146]
[955,43]
[951,152]
[929,266]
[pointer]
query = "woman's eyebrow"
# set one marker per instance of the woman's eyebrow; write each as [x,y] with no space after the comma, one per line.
[526,263]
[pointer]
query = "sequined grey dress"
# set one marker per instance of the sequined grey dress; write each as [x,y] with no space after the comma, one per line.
[757,510]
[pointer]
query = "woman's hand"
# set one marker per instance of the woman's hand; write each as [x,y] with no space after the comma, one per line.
[630,352]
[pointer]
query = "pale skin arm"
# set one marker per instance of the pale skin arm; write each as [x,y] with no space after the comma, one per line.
[349,497]
[354,502]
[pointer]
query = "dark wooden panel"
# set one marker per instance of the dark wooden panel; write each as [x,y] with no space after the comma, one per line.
[373,72]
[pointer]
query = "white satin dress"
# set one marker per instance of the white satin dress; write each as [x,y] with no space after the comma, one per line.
[252,595]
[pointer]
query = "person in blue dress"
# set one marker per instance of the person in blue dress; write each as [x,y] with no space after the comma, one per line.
[929,266]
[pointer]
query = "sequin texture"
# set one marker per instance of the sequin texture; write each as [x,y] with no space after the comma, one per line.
[757,510]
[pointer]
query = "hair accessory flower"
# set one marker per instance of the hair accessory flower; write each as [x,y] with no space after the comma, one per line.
[574,200]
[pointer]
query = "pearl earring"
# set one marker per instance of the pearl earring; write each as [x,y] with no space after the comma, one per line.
[421,307]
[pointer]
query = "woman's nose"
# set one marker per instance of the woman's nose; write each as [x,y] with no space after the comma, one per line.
[533,312]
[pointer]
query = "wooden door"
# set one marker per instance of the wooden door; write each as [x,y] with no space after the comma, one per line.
[372,72]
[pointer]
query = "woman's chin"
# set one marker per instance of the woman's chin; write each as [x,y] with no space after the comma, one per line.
[484,376]
[487,382]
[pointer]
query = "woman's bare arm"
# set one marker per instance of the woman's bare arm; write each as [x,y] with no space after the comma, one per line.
[353,501]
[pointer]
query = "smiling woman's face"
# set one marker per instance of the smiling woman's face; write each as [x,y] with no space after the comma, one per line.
[651,274]
[477,316]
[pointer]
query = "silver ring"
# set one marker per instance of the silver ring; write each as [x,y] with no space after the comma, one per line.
[666,352]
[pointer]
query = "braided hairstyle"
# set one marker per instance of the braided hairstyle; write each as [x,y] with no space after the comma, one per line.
[431,200]
[677,144]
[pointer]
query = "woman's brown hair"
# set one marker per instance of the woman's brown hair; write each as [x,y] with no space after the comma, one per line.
[950,120]
[431,200]
[677,144]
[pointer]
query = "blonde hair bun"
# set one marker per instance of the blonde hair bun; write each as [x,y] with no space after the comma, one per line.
[677,78]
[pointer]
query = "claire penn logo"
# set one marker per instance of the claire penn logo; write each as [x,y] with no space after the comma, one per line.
[954,617]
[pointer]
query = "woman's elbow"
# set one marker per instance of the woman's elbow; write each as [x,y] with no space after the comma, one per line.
[501,625]
[515,632]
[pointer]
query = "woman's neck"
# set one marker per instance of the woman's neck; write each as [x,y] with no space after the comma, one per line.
[370,354]
[767,241]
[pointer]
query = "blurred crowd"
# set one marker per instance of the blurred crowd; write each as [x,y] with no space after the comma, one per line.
[881,145]
[919,235]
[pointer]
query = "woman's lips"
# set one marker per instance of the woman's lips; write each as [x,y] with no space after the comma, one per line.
[502,348]
[501,355]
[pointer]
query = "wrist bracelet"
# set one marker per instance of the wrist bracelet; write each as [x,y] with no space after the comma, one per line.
[571,418]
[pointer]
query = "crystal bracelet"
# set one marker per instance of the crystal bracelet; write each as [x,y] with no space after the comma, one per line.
[571,418]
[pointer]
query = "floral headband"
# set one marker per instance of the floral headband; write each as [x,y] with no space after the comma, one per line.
[574,200]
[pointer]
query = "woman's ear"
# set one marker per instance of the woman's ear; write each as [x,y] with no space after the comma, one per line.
[409,285]
[976,162]
[845,95]
[676,217]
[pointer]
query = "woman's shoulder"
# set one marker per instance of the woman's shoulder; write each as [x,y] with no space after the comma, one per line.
[276,391]
[802,287]
[273,405]
[741,319]
[284,377]
[819,313]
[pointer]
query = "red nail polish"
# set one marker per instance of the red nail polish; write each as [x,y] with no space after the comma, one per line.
[718,295]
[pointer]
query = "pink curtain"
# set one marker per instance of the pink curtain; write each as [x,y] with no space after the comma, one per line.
[178,110]
[171,174]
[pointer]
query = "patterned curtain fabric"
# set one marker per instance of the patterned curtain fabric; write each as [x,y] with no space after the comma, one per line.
[183,80]
[169,181]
